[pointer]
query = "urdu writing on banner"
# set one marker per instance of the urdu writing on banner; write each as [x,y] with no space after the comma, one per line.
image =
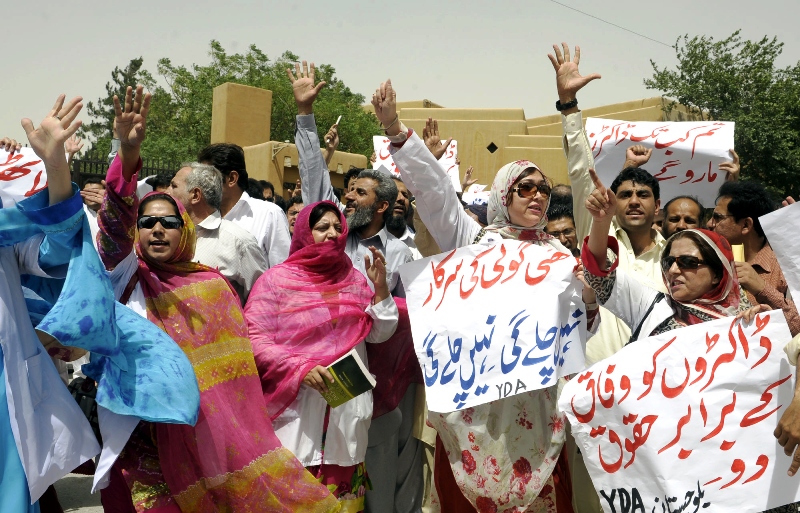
[21,175]
[490,322]
[683,421]
[686,155]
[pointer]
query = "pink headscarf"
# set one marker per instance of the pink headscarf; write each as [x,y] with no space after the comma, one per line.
[305,312]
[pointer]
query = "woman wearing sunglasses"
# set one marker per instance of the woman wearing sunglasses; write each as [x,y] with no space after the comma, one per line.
[697,268]
[508,437]
[231,459]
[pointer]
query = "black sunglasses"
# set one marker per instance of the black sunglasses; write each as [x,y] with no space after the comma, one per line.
[529,189]
[684,262]
[168,222]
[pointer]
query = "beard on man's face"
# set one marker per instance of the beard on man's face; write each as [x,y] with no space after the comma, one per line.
[396,223]
[361,217]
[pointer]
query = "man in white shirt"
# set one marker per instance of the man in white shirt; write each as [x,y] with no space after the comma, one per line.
[220,243]
[396,225]
[264,219]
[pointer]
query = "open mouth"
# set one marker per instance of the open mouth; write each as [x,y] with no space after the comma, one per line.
[159,243]
[399,210]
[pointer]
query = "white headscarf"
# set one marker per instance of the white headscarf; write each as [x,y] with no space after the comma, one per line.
[497,212]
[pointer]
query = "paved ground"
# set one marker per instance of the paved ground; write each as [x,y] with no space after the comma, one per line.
[74,494]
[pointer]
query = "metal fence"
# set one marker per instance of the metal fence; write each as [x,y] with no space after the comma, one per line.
[96,163]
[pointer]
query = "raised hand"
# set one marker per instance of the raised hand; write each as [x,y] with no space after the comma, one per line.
[432,140]
[601,203]
[48,143]
[568,79]
[332,139]
[385,102]
[73,145]
[10,145]
[376,272]
[468,180]
[131,119]
[732,168]
[305,92]
[788,201]
[298,189]
[637,156]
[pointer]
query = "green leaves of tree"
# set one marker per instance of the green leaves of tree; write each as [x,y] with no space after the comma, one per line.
[180,114]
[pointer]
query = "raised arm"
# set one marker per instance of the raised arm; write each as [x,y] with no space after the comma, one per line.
[576,145]
[117,215]
[436,200]
[316,182]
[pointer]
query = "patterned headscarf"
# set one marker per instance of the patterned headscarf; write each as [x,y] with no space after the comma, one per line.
[497,215]
[724,300]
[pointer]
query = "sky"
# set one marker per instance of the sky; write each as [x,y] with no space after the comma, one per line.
[465,54]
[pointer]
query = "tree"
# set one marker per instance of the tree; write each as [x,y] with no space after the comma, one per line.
[180,114]
[736,80]
[102,111]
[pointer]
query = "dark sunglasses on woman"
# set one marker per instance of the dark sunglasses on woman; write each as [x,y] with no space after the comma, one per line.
[529,189]
[168,222]
[684,262]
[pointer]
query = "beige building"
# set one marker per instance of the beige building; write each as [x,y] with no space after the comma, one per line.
[487,138]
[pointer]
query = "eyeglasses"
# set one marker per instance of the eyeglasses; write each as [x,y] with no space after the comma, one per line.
[168,222]
[717,217]
[684,262]
[529,189]
[569,232]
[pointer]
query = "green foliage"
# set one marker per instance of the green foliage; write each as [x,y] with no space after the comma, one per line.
[736,80]
[179,123]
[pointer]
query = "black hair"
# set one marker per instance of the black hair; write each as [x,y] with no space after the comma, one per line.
[352,173]
[255,190]
[708,253]
[98,179]
[748,199]
[562,194]
[281,202]
[694,199]
[156,197]
[267,185]
[295,200]
[559,210]
[160,180]
[319,211]
[226,157]
[639,176]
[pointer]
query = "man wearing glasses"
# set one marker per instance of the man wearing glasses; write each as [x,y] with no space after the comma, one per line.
[735,217]
[561,225]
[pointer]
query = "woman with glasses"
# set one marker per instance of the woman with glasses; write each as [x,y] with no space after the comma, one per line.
[493,449]
[697,268]
[231,459]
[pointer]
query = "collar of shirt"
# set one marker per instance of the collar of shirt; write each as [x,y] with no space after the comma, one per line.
[240,206]
[381,237]
[212,222]
[622,237]
[765,259]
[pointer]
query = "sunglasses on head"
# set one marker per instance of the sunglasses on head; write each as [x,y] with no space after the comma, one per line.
[529,189]
[168,222]
[684,262]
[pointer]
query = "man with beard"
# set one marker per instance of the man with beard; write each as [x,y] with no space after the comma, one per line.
[397,224]
[394,456]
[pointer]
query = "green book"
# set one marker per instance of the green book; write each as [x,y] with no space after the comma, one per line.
[351,379]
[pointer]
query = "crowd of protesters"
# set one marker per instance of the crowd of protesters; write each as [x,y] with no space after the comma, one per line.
[232,301]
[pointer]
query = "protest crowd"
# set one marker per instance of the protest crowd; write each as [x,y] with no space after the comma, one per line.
[203,314]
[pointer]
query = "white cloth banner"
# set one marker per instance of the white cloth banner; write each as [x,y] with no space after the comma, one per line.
[492,322]
[781,228]
[683,421]
[21,175]
[686,155]
[384,158]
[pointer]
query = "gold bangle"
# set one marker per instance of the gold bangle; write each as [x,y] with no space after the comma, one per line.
[396,119]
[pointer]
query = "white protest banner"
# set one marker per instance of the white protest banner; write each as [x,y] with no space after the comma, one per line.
[476,195]
[686,155]
[781,228]
[683,421]
[492,322]
[384,158]
[21,175]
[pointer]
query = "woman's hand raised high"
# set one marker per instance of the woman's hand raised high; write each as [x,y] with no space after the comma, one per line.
[601,203]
